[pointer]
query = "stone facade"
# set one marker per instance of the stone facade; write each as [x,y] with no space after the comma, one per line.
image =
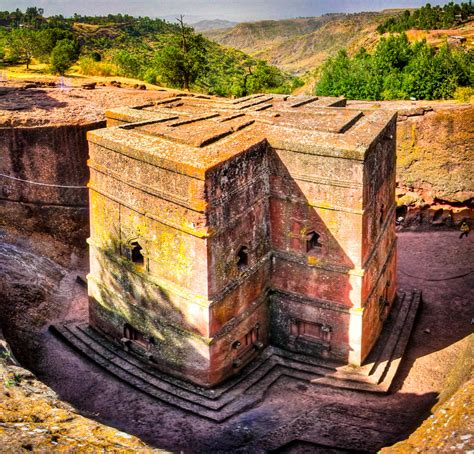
[219,227]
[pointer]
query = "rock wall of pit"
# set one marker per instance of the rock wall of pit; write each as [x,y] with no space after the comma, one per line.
[450,426]
[43,177]
[435,165]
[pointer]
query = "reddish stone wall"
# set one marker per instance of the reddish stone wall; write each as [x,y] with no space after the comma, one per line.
[53,155]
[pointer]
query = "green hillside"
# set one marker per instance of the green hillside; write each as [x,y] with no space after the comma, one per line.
[299,45]
[151,50]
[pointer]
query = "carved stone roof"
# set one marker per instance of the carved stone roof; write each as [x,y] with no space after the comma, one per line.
[193,134]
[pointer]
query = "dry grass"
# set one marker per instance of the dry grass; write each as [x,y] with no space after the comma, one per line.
[89,67]
[74,78]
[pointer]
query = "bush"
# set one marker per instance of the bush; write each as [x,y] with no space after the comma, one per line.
[150,76]
[129,64]
[64,55]
[464,94]
[397,70]
[90,67]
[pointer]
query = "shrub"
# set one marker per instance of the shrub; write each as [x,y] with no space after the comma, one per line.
[397,70]
[464,94]
[90,67]
[150,76]
[129,64]
[63,56]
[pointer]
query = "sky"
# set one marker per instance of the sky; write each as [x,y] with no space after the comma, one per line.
[195,10]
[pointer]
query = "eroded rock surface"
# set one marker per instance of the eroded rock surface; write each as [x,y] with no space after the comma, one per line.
[450,427]
[32,417]
[39,104]
[435,162]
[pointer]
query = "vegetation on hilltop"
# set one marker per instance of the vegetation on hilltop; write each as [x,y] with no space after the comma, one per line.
[152,50]
[301,46]
[398,69]
[298,45]
[429,18]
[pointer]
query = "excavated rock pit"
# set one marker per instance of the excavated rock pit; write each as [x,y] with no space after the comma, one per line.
[39,287]
[42,251]
[43,151]
[435,162]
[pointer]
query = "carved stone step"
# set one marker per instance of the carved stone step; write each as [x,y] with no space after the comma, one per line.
[249,388]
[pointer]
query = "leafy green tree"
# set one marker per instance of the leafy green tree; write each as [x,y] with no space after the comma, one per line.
[23,44]
[393,52]
[183,57]
[129,64]
[33,17]
[3,44]
[47,39]
[265,78]
[64,55]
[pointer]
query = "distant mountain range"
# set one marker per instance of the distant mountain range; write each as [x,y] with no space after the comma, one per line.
[212,24]
[299,45]
[303,44]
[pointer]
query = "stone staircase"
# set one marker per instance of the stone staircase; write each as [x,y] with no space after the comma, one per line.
[380,367]
[248,389]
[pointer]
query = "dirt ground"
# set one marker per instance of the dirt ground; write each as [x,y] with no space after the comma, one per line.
[295,416]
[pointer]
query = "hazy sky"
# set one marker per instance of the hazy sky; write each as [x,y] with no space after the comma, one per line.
[235,10]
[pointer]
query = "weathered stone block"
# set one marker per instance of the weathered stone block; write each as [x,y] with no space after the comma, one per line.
[218,227]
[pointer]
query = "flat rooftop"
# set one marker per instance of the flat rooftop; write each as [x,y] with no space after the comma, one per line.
[193,134]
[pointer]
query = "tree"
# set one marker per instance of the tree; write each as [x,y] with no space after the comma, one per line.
[47,40]
[397,70]
[182,59]
[264,77]
[393,52]
[64,55]
[428,18]
[130,64]
[23,45]
[33,17]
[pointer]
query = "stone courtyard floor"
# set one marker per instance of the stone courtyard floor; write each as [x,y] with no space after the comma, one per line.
[295,416]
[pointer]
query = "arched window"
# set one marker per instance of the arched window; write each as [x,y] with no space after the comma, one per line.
[137,254]
[312,241]
[242,258]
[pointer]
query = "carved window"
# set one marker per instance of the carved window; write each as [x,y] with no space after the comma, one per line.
[137,254]
[248,340]
[312,242]
[129,332]
[242,258]
[246,347]
[311,331]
